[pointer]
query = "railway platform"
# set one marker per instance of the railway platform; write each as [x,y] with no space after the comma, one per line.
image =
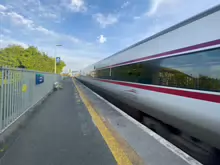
[76,126]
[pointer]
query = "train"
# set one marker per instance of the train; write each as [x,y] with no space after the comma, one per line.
[172,76]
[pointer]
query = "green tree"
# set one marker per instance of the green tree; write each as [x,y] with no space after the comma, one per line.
[30,58]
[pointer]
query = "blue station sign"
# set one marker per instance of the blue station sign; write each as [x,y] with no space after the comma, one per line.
[57,60]
[39,79]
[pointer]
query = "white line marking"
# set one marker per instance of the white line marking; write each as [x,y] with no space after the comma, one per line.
[160,139]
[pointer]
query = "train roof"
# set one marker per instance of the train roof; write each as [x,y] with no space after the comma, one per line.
[174,27]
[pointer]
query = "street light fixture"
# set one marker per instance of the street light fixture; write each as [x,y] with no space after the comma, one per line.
[55,62]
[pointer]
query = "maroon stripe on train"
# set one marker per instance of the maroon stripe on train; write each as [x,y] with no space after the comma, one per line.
[181,50]
[190,94]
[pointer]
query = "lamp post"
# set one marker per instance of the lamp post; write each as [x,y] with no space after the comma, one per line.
[1,31]
[55,62]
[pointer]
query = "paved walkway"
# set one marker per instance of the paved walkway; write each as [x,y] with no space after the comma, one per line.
[60,133]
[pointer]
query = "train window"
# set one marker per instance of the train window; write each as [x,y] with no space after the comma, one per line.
[104,73]
[199,70]
[178,71]
[209,71]
[146,73]
[126,73]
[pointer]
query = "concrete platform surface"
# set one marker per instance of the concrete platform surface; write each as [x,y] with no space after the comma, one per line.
[60,133]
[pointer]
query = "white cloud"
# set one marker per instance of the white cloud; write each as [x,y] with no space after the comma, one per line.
[77,5]
[125,4]
[44,30]
[75,62]
[158,5]
[50,36]
[173,11]
[2,14]
[102,39]
[5,41]
[19,19]
[136,17]
[73,39]
[49,15]
[5,30]
[155,4]
[38,10]
[2,7]
[178,8]
[105,20]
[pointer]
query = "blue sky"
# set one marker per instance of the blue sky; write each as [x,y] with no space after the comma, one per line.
[89,30]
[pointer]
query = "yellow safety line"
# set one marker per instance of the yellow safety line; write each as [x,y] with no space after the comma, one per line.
[118,153]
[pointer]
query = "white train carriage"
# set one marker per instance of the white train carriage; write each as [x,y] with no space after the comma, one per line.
[173,76]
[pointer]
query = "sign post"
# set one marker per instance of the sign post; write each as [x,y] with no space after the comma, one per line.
[55,61]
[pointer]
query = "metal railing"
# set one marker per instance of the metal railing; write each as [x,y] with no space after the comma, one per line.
[20,90]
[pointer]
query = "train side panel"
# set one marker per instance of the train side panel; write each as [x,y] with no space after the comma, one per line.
[198,118]
[200,31]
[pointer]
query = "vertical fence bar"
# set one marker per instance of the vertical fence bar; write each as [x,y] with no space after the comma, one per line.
[7,97]
[8,103]
[13,94]
[10,96]
[16,94]
[21,93]
[5,100]
[26,92]
[31,88]
[1,98]
[28,89]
